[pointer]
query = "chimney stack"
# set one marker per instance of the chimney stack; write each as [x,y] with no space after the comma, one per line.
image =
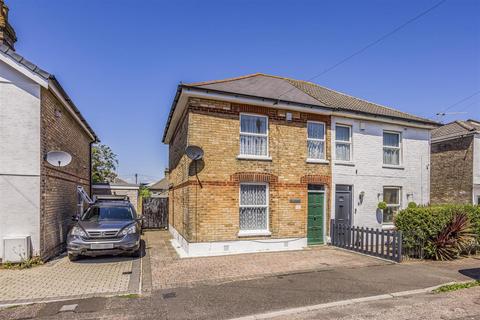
[7,34]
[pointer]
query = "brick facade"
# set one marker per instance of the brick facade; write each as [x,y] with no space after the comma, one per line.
[60,131]
[452,171]
[210,212]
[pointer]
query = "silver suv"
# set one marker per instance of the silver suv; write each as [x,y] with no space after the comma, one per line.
[106,227]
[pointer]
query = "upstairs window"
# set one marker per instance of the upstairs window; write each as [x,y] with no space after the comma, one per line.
[316,140]
[253,207]
[391,196]
[253,135]
[343,143]
[391,148]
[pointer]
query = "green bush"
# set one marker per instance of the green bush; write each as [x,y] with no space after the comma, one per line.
[424,224]
[412,205]
[382,205]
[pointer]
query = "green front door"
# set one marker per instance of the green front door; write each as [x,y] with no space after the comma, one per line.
[315,218]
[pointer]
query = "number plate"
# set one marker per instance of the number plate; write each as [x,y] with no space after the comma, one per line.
[96,246]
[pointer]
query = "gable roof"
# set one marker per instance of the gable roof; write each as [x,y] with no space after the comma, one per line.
[281,89]
[456,129]
[162,184]
[46,76]
[286,89]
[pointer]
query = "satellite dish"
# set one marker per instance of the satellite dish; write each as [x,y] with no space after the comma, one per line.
[194,152]
[58,158]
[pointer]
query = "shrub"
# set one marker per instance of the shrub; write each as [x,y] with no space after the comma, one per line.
[382,205]
[424,224]
[412,205]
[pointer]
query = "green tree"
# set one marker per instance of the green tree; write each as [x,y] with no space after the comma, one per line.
[145,192]
[104,164]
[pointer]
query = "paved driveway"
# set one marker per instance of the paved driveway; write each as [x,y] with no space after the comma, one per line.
[62,279]
[168,270]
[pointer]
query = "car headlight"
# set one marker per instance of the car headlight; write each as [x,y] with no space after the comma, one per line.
[128,230]
[77,231]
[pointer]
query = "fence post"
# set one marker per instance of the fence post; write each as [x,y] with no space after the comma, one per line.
[400,246]
[332,231]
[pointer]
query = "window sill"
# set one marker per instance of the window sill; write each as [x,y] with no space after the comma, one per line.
[389,166]
[254,233]
[345,163]
[318,161]
[260,158]
[388,226]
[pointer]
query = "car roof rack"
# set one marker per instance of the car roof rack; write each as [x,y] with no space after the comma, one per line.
[105,198]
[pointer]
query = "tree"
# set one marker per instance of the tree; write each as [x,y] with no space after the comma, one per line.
[104,164]
[145,192]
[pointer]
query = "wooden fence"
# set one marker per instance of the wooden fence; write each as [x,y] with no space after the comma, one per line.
[386,244]
[155,213]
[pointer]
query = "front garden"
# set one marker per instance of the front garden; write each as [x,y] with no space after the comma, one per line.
[442,232]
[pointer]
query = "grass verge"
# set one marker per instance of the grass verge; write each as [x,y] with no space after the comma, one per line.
[130,296]
[457,286]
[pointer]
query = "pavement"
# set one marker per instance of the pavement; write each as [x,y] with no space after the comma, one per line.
[63,279]
[249,297]
[462,304]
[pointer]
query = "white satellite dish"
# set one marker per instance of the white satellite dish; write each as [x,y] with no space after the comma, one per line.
[194,152]
[58,158]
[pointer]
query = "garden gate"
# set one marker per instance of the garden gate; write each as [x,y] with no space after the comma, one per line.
[155,213]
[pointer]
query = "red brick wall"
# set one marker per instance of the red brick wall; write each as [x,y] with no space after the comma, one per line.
[60,131]
[451,174]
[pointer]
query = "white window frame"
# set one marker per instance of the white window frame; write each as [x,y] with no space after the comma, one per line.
[250,156]
[321,140]
[389,205]
[399,148]
[344,142]
[265,232]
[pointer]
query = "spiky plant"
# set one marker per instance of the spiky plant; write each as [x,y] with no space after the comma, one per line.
[456,237]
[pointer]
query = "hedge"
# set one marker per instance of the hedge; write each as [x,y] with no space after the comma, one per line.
[422,224]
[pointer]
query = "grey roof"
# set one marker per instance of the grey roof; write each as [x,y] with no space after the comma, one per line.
[303,92]
[456,129]
[46,76]
[162,184]
[117,182]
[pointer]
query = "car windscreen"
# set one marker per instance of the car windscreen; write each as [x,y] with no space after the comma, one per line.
[108,213]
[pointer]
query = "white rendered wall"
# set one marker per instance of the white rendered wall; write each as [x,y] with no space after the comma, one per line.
[19,157]
[476,169]
[186,249]
[367,173]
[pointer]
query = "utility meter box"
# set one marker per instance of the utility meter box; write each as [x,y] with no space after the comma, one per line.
[16,249]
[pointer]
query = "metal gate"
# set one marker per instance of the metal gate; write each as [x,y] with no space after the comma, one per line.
[386,244]
[155,213]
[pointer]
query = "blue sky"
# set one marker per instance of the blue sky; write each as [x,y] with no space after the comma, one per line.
[121,60]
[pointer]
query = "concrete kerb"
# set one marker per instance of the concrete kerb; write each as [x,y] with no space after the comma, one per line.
[293,311]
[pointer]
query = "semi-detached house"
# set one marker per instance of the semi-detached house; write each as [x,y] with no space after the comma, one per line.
[283,157]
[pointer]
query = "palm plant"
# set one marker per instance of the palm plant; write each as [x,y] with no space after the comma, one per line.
[456,237]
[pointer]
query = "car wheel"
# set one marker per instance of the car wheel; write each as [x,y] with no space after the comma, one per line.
[73,257]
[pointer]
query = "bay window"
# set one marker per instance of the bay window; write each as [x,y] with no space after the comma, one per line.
[315,140]
[343,143]
[391,196]
[253,135]
[391,148]
[253,207]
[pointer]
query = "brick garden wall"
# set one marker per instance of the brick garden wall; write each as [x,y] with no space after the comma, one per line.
[60,131]
[452,171]
[211,213]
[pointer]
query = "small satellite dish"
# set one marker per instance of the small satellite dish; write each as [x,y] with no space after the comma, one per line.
[58,158]
[194,152]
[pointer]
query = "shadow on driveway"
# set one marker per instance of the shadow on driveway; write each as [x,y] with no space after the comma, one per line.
[472,273]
